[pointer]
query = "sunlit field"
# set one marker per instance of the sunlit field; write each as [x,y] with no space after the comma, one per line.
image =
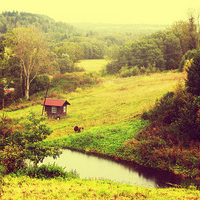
[113,101]
[94,65]
[27,188]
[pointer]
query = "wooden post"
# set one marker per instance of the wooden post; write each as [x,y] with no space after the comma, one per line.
[45,100]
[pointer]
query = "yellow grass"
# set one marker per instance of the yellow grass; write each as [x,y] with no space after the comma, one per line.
[32,189]
[93,65]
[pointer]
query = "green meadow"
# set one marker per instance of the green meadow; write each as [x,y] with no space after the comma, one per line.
[112,101]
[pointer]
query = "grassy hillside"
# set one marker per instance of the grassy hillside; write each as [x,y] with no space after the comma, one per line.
[113,101]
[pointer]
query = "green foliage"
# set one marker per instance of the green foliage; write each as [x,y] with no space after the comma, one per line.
[106,140]
[31,137]
[25,141]
[40,83]
[1,94]
[187,56]
[125,72]
[12,157]
[180,111]
[135,71]
[164,110]
[161,50]
[193,75]
[46,172]
[10,20]
[158,148]
[69,82]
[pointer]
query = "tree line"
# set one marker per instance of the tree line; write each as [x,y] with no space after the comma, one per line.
[162,50]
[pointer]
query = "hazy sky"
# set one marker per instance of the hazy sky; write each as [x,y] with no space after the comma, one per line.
[107,11]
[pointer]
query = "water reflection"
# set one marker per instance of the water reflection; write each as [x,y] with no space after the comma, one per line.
[90,166]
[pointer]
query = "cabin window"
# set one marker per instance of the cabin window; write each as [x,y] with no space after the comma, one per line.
[53,109]
[64,108]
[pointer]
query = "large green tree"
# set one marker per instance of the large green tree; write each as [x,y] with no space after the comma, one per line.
[25,141]
[28,44]
[193,75]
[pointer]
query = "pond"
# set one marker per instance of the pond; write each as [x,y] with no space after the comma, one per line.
[93,167]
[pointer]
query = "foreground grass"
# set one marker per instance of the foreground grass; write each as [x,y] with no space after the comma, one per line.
[27,188]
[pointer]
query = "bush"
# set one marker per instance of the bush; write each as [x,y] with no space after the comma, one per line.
[125,72]
[187,56]
[1,94]
[46,172]
[112,68]
[135,71]
[179,110]
[164,110]
[40,83]
[193,76]
[69,82]
[143,70]
[158,148]
[12,157]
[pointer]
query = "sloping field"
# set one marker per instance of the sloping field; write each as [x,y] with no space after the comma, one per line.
[113,101]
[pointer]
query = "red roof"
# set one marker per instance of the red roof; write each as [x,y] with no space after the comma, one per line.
[55,102]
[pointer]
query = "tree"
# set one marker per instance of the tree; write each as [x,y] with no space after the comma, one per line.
[172,51]
[30,47]
[192,32]
[193,75]
[25,141]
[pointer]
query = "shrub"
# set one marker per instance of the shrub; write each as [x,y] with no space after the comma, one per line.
[125,72]
[135,71]
[163,111]
[187,56]
[40,83]
[180,111]
[12,157]
[69,82]
[193,75]
[112,68]
[158,148]
[46,172]
[1,94]
[143,70]
[187,125]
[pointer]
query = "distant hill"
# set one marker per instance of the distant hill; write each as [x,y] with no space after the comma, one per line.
[10,20]
[120,28]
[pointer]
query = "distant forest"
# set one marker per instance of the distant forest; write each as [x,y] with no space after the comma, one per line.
[131,49]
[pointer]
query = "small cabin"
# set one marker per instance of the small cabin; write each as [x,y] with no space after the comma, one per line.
[56,108]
